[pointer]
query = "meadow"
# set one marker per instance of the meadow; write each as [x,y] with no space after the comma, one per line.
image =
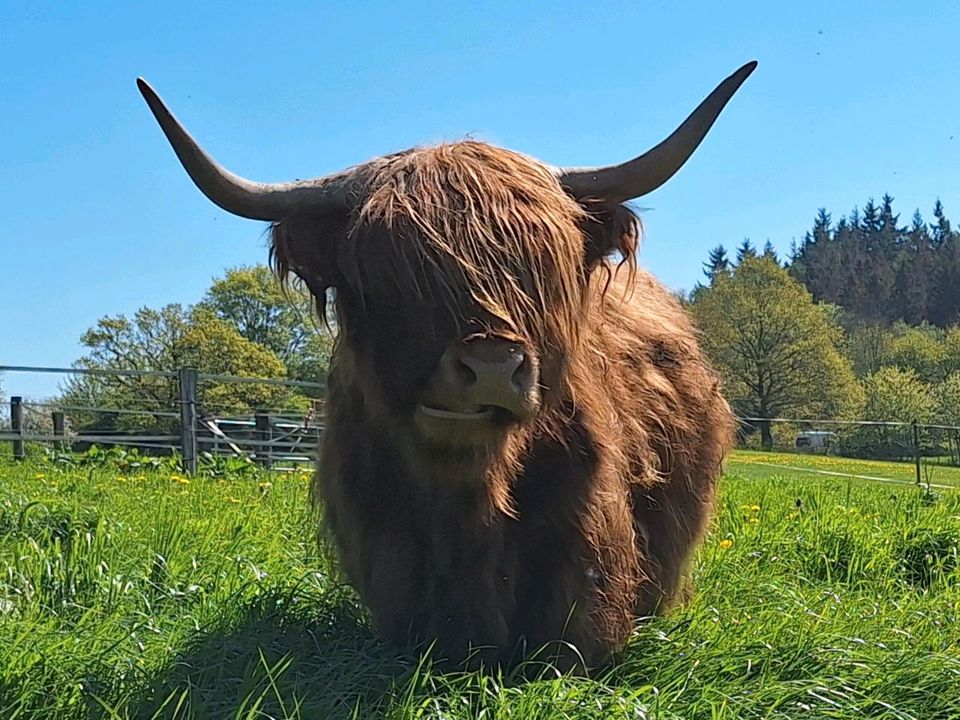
[130,591]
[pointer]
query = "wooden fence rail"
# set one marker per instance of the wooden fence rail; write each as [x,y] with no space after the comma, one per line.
[265,436]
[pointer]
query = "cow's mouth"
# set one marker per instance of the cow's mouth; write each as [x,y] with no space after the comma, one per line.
[482,413]
[463,425]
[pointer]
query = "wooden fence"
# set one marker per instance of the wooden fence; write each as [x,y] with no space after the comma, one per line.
[267,436]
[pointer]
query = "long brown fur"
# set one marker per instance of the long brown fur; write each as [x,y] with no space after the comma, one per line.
[564,530]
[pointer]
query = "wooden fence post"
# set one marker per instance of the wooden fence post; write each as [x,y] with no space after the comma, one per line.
[59,428]
[187,379]
[16,425]
[916,448]
[264,434]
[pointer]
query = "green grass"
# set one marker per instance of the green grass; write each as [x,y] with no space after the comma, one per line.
[127,596]
[758,465]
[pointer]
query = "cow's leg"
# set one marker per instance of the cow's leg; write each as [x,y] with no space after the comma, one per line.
[670,519]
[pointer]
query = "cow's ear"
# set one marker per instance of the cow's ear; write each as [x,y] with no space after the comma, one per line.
[610,231]
[306,246]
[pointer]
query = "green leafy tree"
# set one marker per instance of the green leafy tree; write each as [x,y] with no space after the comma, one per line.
[892,395]
[897,395]
[279,319]
[312,362]
[951,350]
[867,345]
[215,347]
[146,342]
[920,349]
[166,340]
[948,400]
[776,348]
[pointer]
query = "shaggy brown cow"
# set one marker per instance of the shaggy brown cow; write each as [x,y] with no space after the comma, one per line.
[523,436]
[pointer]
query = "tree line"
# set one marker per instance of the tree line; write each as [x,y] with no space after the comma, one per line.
[862,321]
[877,269]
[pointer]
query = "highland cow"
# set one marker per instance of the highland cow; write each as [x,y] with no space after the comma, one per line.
[523,436]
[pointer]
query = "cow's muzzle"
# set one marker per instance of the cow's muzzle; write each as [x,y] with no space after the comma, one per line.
[483,380]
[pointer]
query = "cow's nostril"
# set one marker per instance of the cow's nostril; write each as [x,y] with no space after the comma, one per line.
[523,375]
[465,374]
[492,363]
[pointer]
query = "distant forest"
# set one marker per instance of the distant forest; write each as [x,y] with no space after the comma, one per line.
[878,270]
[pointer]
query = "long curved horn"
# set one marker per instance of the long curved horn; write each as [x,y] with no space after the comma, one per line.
[236,195]
[617,183]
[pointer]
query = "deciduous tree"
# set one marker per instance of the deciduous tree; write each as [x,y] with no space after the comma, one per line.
[776,348]
[166,340]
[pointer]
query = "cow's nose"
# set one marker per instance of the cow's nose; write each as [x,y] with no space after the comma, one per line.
[495,372]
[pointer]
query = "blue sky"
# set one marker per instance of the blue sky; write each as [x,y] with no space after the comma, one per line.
[850,100]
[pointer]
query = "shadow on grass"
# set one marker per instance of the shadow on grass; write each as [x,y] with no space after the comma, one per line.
[285,658]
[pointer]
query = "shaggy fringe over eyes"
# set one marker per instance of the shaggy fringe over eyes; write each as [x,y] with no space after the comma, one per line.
[493,225]
[482,222]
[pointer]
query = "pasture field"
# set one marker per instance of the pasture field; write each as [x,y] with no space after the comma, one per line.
[759,465]
[135,593]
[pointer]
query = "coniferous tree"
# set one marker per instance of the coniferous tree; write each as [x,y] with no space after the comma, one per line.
[880,272]
[945,281]
[941,231]
[881,242]
[717,263]
[871,216]
[770,253]
[914,266]
[745,250]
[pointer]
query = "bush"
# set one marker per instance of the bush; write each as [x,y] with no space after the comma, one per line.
[896,396]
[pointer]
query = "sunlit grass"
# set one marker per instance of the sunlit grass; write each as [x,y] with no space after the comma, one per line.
[758,464]
[157,595]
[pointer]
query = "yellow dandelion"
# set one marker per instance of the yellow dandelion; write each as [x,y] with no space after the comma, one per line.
[753,520]
[755,508]
[39,476]
[726,543]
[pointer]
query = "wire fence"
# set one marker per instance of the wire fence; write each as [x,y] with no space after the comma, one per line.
[191,414]
[925,445]
[182,412]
